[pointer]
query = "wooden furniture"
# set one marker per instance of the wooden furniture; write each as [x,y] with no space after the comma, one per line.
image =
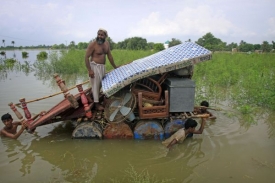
[156,111]
[150,88]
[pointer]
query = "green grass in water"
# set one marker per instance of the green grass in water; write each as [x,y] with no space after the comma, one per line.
[248,80]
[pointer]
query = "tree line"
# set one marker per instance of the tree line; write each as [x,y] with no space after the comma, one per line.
[208,41]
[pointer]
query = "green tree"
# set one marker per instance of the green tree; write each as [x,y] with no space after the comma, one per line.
[55,46]
[150,45]
[62,46]
[230,46]
[121,45]
[13,43]
[72,45]
[111,42]
[257,46]
[159,47]
[245,47]
[134,43]
[266,47]
[82,45]
[174,42]
[209,41]
[273,44]
[3,42]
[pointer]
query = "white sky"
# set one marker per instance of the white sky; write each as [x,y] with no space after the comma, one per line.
[38,22]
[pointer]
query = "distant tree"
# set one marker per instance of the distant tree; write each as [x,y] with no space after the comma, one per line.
[12,43]
[257,46]
[221,46]
[230,46]
[266,47]
[121,45]
[82,45]
[111,42]
[174,42]
[159,47]
[245,47]
[62,46]
[242,42]
[3,42]
[189,40]
[72,45]
[273,44]
[137,43]
[209,41]
[55,46]
[150,45]
[134,43]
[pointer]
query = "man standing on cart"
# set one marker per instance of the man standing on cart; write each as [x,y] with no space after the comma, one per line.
[95,59]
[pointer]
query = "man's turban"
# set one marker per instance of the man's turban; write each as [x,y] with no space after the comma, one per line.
[106,33]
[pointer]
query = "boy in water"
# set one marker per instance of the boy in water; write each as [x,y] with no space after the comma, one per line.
[181,134]
[202,109]
[10,129]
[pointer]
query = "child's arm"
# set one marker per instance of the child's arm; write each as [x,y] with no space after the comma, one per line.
[199,131]
[174,141]
[16,123]
[211,115]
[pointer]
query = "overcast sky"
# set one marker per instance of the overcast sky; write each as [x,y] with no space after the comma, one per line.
[38,22]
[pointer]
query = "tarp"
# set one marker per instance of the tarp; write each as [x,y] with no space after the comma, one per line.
[173,58]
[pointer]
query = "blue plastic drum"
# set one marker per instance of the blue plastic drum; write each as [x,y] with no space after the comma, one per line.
[148,129]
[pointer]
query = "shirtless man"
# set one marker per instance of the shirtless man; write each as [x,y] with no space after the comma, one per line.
[98,50]
[10,129]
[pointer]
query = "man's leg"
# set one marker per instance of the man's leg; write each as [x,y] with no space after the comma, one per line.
[96,90]
[96,83]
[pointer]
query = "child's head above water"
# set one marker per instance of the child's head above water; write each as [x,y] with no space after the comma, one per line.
[6,117]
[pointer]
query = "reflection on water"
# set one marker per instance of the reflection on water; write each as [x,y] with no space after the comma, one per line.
[234,147]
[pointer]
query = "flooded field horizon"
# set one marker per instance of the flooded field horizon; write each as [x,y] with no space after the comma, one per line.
[235,147]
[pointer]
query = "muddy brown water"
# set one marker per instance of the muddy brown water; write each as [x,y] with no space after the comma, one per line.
[229,150]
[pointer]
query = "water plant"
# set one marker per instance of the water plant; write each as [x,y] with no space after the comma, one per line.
[134,176]
[9,63]
[245,80]
[246,109]
[25,54]
[42,55]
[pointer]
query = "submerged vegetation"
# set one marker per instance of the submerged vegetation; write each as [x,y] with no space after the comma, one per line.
[25,54]
[42,55]
[132,175]
[247,80]
[10,64]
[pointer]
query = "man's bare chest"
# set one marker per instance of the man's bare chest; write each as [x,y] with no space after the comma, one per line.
[12,130]
[100,50]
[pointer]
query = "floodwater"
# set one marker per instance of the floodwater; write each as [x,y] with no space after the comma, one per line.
[231,149]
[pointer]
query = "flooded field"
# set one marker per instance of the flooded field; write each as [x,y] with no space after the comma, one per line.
[231,148]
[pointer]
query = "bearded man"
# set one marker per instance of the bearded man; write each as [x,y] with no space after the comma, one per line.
[95,59]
